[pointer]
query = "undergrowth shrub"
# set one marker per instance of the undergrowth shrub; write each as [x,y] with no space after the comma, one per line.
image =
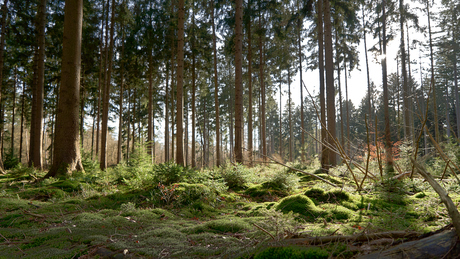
[10,161]
[282,181]
[168,173]
[235,176]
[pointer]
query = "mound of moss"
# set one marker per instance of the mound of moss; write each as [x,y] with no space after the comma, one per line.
[320,196]
[67,185]
[330,178]
[265,191]
[300,204]
[231,225]
[335,212]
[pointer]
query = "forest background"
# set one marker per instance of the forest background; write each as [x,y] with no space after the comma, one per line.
[130,48]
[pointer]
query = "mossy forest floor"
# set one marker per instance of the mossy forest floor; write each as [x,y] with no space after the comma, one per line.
[165,211]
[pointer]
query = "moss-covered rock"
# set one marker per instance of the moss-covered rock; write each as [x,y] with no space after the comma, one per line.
[300,204]
[265,192]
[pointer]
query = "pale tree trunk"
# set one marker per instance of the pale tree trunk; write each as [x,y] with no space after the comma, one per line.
[150,110]
[216,89]
[322,101]
[347,108]
[406,92]
[239,81]
[22,122]
[82,113]
[280,128]
[447,111]
[180,87]
[36,140]
[167,117]
[330,90]
[105,114]
[291,146]
[250,126]
[128,130]
[388,145]
[262,92]
[122,81]
[2,46]
[337,58]
[437,135]
[67,156]
[102,71]
[302,119]
[369,90]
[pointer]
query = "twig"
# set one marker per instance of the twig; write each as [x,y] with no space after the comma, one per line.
[8,241]
[263,230]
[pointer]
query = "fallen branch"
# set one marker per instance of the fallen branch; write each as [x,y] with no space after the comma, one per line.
[263,230]
[451,208]
[353,238]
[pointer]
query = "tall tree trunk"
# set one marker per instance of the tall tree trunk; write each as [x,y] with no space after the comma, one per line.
[291,145]
[337,58]
[105,115]
[193,156]
[302,117]
[347,108]
[406,93]
[128,133]
[322,101]
[102,70]
[216,88]
[82,113]
[388,145]
[122,82]
[14,109]
[262,90]
[36,141]
[330,90]
[23,99]
[180,86]
[2,46]
[150,110]
[369,91]
[448,126]
[239,81]
[250,101]
[280,128]
[67,156]
[167,116]
[437,135]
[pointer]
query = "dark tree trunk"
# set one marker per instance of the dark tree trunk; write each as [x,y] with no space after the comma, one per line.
[250,101]
[239,81]
[67,156]
[36,141]
[180,87]
[330,90]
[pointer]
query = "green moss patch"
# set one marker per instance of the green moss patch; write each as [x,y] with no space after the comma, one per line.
[292,252]
[300,204]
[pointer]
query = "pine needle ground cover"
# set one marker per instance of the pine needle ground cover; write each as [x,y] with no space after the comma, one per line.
[167,211]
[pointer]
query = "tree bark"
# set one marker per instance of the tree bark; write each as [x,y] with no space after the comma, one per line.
[193,155]
[262,90]
[67,156]
[239,81]
[330,90]
[406,92]
[302,118]
[122,81]
[322,101]
[105,114]
[291,146]
[2,46]
[216,88]
[14,109]
[180,87]
[250,115]
[435,109]
[388,145]
[36,141]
